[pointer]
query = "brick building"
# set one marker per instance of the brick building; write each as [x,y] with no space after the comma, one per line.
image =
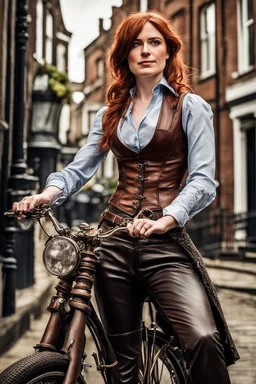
[219,49]
[32,33]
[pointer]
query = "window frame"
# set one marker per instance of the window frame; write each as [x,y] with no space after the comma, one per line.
[208,40]
[48,38]
[243,37]
[39,41]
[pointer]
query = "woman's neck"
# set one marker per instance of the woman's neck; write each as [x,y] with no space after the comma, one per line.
[144,86]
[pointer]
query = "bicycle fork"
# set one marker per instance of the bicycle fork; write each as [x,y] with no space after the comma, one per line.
[80,306]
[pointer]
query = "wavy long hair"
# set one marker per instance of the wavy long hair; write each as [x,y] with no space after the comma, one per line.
[118,94]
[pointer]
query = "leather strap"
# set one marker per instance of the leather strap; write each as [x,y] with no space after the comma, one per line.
[119,220]
[113,218]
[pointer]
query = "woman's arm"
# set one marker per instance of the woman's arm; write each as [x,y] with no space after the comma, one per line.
[85,164]
[200,190]
[72,177]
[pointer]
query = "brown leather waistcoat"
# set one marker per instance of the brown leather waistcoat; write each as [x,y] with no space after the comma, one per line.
[151,178]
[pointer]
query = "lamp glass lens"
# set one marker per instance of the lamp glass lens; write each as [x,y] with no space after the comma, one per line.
[60,256]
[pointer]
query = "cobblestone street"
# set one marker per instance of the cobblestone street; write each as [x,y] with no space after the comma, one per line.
[239,308]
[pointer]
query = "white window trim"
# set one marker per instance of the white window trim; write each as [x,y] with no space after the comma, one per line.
[49,37]
[87,108]
[39,29]
[239,147]
[60,57]
[243,38]
[205,73]
[63,37]
[240,90]
[143,5]
[100,68]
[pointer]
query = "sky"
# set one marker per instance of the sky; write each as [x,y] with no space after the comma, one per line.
[81,18]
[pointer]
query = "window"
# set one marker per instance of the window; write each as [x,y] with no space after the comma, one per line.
[49,38]
[61,57]
[39,28]
[249,127]
[143,5]
[100,69]
[245,35]
[207,40]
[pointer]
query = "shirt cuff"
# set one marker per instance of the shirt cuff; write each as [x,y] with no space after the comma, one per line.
[55,183]
[176,212]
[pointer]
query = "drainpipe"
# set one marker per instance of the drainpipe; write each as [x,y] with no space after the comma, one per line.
[220,61]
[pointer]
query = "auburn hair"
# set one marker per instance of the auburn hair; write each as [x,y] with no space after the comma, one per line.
[118,94]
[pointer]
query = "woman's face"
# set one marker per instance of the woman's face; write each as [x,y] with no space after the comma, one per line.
[148,54]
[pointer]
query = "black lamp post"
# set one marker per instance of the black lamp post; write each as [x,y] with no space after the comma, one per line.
[43,143]
[19,242]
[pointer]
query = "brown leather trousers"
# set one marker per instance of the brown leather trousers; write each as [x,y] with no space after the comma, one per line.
[132,268]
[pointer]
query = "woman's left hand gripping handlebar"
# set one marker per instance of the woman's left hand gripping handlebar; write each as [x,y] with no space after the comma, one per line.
[28,203]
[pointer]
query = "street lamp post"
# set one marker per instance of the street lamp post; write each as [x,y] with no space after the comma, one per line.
[20,183]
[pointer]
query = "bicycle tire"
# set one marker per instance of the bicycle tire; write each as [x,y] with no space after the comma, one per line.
[164,357]
[42,367]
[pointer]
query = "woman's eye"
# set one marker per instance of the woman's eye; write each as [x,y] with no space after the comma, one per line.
[136,44]
[155,42]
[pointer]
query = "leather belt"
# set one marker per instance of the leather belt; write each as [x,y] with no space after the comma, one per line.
[114,218]
[119,220]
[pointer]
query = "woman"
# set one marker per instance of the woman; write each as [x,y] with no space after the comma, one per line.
[156,128]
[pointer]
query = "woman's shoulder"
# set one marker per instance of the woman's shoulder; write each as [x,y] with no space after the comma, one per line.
[195,109]
[100,112]
[193,102]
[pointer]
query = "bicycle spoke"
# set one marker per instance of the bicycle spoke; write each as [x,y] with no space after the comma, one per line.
[157,366]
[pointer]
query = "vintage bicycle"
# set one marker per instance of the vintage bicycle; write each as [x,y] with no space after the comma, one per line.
[60,356]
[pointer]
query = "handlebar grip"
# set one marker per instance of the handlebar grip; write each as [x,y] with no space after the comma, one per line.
[10,214]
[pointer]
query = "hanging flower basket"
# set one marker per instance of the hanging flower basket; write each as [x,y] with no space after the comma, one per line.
[58,82]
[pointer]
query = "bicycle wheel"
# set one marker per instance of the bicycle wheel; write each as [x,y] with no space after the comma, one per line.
[40,368]
[161,363]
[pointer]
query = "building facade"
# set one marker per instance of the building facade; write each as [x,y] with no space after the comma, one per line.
[219,50]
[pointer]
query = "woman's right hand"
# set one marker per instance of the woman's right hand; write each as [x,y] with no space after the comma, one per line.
[28,203]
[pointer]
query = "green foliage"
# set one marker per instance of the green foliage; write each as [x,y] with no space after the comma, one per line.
[112,183]
[58,82]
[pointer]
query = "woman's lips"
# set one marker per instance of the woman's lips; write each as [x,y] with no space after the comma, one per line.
[146,62]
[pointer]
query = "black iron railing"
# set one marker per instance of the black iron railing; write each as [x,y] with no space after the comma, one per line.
[217,231]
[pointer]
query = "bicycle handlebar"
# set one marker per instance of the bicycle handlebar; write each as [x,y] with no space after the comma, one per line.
[44,210]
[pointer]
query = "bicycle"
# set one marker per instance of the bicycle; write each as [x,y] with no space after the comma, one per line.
[60,356]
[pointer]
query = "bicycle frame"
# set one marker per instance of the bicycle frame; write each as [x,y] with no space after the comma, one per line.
[74,290]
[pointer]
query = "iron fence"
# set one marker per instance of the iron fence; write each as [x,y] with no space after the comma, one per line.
[215,232]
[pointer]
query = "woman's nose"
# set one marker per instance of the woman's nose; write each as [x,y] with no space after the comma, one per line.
[145,50]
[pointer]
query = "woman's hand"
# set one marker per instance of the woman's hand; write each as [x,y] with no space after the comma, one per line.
[145,227]
[29,202]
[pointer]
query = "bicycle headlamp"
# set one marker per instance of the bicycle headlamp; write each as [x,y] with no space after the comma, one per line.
[61,256]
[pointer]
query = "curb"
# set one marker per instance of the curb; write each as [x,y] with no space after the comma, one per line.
[251,291]
[34,301]
[245,269]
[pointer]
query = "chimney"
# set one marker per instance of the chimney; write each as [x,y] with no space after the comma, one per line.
[101,25]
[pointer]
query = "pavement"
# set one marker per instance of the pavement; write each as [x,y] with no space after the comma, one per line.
[236,285]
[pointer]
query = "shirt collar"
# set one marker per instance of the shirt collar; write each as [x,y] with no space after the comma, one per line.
[157,88]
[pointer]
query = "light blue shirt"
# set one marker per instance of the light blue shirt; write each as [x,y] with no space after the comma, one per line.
[197,117]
